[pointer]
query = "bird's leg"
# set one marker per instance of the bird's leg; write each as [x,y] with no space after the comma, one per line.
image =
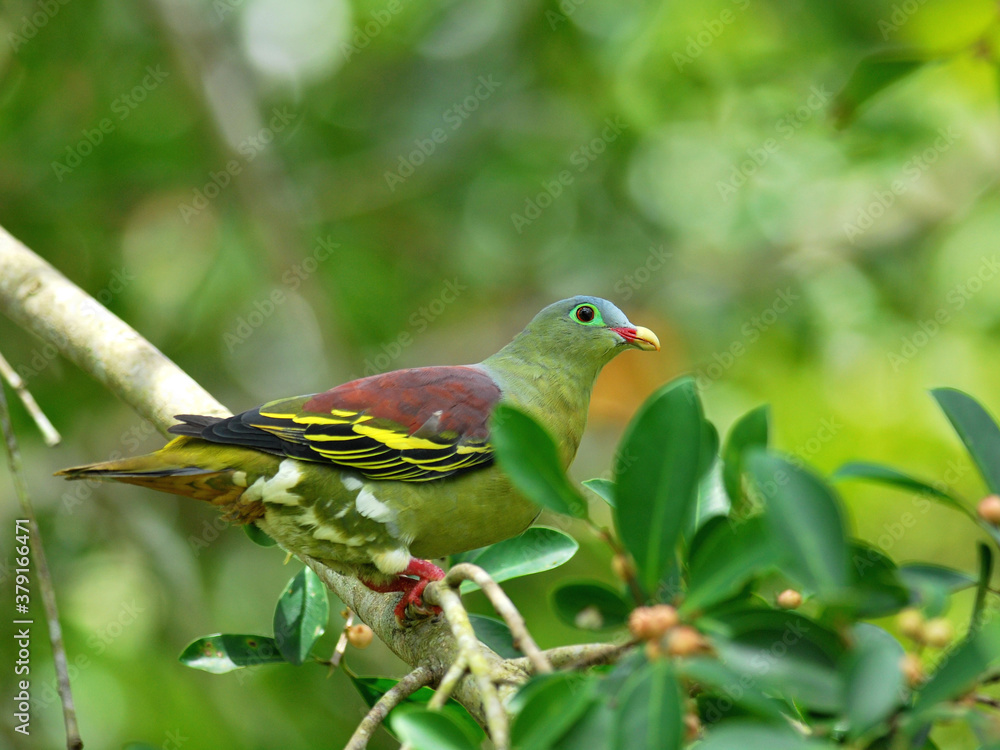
[413,588]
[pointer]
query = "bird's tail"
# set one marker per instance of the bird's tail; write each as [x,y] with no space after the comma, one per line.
[171,470]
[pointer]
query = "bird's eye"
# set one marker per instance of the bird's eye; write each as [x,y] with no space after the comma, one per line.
[585,313]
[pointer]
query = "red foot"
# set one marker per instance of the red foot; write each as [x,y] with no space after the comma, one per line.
[412,588]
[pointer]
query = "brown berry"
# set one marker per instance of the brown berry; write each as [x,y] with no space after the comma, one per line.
[685,641]
[910,622]
[938,632]
[359,636]
[789,599]
[912,669]
[653,650]
[989,509]
[647,623]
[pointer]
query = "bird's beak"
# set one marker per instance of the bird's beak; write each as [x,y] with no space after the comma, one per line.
[639,337]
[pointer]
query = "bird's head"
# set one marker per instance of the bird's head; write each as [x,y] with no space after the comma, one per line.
[589,327]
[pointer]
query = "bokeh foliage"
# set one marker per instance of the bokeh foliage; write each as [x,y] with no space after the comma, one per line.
[721,209]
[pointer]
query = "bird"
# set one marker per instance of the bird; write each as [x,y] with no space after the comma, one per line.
[380,475]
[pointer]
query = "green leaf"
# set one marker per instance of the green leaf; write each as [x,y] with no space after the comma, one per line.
[495,634]
[977,429]
[750,431]
[603,488]
[590,605]
[783,652]
[372,689]
[258,535]
[528,455]
[593,730]
[978,654]
[805,520]
[657,474]
[301,616]
[547,707]
[728,555]
[650,712]
[930,585]
[873,74]
[877,589]
[538,549]
[873,682]
[224,652]
[895,478]
[752,735]
[424,729]
[716,678]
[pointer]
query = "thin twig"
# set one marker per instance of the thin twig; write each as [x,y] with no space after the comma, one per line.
[393,697]
[505,608]
[341,648]
[472,651]
[447,685]
[635,589]
[49,433]
[44,578]
[987,700]
[581,655]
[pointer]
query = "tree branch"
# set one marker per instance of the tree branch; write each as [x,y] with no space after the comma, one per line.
[393,697]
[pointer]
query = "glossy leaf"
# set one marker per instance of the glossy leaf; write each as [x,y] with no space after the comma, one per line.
[728,556]
[603,488]
[657,474]
[784,652]
[590,605]
[258,535]
[977,429]
[930,585]
[224,652]
[873,682]
[372,689]
[424,729]
[301,616]
[650,712]
[750,431]
[873,74]
[805,520]
[715,677]
[742,734]
[594,729]
[983,585]
[529,456]
[547,707]
[978,654]
[877,589]
[538,549]
[495,634]
[895,478]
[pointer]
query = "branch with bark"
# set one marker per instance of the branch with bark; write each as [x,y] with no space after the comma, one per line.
[443,651]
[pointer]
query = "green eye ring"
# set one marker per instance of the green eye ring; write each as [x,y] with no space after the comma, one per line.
[587,315]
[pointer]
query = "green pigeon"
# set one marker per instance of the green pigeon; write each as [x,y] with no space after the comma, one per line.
[378,475]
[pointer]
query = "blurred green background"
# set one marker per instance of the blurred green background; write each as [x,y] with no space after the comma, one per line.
[415,180]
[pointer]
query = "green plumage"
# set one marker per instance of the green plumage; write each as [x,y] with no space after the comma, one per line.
[373,474]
